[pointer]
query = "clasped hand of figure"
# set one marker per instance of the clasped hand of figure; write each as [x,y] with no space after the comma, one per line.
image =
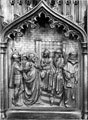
[76,81]
[73,76]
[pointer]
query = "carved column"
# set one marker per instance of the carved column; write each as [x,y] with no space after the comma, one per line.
[12,2]
[3,80]
[72,9]
[85,81]
[1,22]
[64,7]
[80,10]
[20,2]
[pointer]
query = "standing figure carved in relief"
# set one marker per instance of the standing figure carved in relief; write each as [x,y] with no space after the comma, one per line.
[16,81]
[47,71]
[70,74]
[31,83]
[58,63]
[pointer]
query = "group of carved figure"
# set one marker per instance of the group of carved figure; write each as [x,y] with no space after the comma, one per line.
[56,75]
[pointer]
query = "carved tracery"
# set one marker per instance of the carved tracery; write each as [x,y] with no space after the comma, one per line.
[42,20]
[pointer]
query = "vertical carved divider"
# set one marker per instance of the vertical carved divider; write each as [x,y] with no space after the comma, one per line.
[84,95]
[6,80]
[1,70]
[3,79]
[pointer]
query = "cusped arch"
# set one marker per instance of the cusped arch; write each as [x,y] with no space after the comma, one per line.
[42,7]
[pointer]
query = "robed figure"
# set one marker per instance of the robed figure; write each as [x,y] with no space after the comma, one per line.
[70,74]
[46,71]
[31,82]
[58,63]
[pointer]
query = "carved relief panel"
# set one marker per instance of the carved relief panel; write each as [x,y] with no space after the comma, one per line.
[44,63]
[44,66]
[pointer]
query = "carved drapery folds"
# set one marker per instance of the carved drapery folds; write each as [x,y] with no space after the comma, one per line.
[44,62]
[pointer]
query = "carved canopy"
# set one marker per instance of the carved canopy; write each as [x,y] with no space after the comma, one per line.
[40,11]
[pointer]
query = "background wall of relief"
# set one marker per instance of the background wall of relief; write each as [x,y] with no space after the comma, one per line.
[9,12]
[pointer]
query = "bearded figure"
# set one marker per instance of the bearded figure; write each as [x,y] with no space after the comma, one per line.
[58,81]
[46,73]
[31,83]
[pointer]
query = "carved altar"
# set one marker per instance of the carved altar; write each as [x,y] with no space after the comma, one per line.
[43,67]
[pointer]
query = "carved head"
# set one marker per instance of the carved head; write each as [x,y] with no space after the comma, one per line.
[46,53]
[73,56]
[29,65]
[24,56]
[58,53]
[16,57]
[32,57]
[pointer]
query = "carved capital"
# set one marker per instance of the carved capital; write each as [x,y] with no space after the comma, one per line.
[12,2]
[60,2]
[84,47]
[76,2]
[3,47]
[68,2]
[28,2]
[20,2]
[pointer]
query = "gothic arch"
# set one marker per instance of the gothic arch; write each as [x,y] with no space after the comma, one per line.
[56,18]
